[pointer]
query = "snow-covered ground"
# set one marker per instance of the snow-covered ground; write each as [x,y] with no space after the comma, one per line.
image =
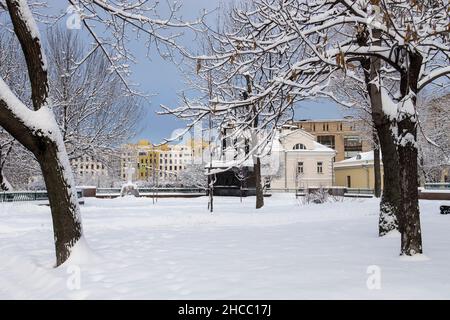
[176,249]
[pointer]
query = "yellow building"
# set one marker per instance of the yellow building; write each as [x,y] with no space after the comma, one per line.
[357,172]
[163,161]
[148,161]
[140,157]
[347,136]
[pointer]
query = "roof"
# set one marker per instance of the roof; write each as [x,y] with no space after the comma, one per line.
[360,159]
[344,119]
[317,146]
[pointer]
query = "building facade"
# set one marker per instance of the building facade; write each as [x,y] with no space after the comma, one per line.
[357,172]
[89,170]
[347,136]
[303,162]
[149,161]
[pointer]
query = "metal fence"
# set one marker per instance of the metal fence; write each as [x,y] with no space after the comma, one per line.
[15,196]
[359,191]
[105,191]
[437,186]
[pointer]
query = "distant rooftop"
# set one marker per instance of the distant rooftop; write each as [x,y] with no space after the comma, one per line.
[346,118]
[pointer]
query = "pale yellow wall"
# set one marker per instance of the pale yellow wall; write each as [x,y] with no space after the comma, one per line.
[310,177]
[360,177]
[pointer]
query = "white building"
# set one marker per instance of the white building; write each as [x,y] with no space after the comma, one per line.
[173,159]
[302,161]
[89,170]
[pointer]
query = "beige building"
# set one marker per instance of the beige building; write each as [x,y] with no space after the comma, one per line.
[303,162]
[357,172]
[347,136]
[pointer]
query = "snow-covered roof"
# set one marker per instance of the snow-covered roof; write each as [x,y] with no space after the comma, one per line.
[344,119]
[321,147]
[230,163]
[316,146]
[361,158]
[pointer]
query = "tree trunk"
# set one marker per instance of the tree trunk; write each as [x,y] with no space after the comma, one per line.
[407,151]
[256,161]
[409,204]
[58,179]
[259,187]
[44,141]
[376,166]
[61,191]
[390,199]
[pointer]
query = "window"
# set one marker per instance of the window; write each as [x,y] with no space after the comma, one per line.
[326,141]
[320,167]
[352,146]
[299,146]
[300,167]
[349,182]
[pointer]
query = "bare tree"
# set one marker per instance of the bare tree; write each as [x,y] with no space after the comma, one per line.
[309,39]
[434,141]
[91,104]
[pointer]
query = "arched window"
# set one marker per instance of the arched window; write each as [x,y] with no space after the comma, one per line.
[299,146]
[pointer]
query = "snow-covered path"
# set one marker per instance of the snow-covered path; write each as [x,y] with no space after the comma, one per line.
[177,250]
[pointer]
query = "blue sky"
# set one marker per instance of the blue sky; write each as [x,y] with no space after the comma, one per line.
[164,81]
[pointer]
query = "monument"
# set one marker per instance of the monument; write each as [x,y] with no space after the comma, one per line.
[129,188]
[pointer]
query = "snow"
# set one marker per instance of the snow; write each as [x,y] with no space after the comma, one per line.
[176,249]
[389,107]
[42,122]
[361,158]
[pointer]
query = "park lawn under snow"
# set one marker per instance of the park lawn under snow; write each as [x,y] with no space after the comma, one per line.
[176,249]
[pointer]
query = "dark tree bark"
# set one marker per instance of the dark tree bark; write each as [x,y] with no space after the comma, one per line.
[259,187]
[256,161]
[408,155]
[390,199]
[376,166]
[48,150]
